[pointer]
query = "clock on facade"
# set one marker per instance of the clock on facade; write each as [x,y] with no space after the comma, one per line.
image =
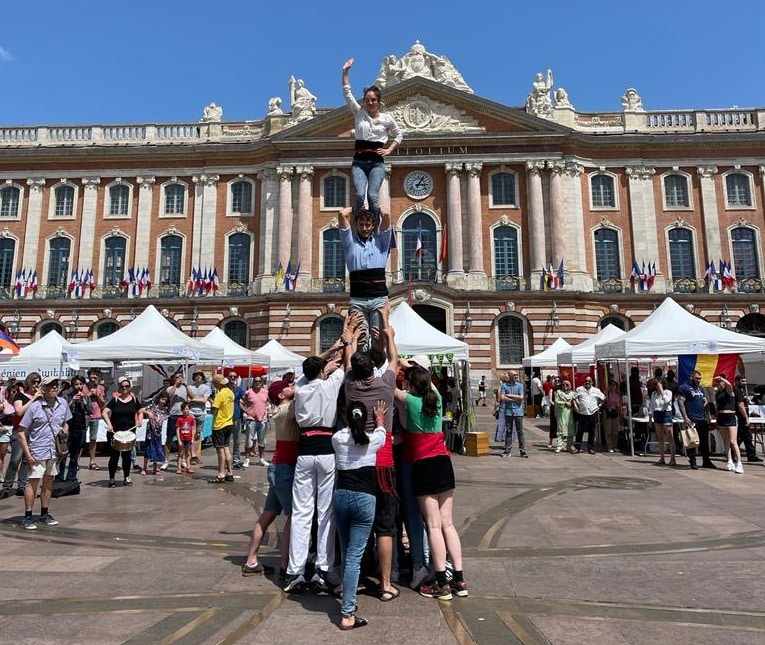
[418,184]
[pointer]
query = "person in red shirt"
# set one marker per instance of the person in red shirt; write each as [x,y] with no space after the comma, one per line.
[185,427]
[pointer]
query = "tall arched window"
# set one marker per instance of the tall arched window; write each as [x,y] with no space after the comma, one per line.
[119,199]
[330,329]
[607,260]
[9,201]
[503,189]
[106,328]
[506,264]
[7,252]
[335,188]
[676,191]
[745,261]
[64,201]
[114,260]
[47,327]
[241,197]
[171,252]
[681,253]
[419,260]
[58,262]
[737,189]
[175,199]
[603,193]
[333,261]
[239,258]
[236,330]
[510,340]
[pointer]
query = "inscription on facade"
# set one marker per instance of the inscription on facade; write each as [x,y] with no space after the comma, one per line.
[435,150]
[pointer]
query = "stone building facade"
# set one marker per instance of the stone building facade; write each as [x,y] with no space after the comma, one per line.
[505,200]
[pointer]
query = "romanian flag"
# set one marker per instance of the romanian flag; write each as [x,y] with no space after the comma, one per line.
[710,365]
[8,347]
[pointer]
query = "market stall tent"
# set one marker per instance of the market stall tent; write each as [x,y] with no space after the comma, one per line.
[280,358]
[584,352]
[233,352]
[549,356]
[43,356]
[671,330]
[150,337]
[415,336]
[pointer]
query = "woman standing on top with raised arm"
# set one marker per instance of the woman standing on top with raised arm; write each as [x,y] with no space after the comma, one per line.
[377,136]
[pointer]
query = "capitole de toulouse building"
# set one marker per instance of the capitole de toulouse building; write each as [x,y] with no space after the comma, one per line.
[495,193]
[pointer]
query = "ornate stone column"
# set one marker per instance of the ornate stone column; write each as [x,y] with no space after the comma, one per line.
[205,206]
[88,226]
[477,275]
[285,214]
[558,228]
[32,228]
[709,213]
[143,232]
[572,218]
[536,231]
[305,226]
[453,229]
[267,249]
[645,240]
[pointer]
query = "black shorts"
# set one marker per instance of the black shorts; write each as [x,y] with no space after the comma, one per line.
[386,510]
[222,438]
[432,476]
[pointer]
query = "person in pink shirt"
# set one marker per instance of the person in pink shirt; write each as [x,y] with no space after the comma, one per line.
[254,404]
[97,400]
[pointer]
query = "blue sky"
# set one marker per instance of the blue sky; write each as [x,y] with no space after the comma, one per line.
[90,61]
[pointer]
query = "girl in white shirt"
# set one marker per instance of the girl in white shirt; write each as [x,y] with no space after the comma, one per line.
[354,499]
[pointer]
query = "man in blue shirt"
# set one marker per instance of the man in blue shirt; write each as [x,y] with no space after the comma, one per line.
[366,256]
[512,398]
[692,401]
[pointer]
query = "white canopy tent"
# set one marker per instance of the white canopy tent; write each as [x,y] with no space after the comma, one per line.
[415,336]
[43,356]
[584,352]
[279,357]
[150,337]
[233,352]
[549,356]
[671,330]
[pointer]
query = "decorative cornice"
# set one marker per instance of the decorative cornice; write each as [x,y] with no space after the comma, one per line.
[36,185]
[209,181]
[473,169]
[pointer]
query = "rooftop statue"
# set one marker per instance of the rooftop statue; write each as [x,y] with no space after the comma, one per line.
[539,102]
[302,102]
[631,101]
[418,62]
[212,114]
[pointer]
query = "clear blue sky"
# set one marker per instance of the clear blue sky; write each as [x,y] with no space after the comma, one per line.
[131,61]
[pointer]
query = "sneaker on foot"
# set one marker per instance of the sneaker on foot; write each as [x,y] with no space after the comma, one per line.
[246,463]
[434,591]
[419,578]
[264,462]
[739,468]
[28,523]
[295,584]
[256,569]
[164,466]
[48,520]
[319,582]
[128,481]
[459,588]
[112,483]
[524,454]
[730,465]
[505,455]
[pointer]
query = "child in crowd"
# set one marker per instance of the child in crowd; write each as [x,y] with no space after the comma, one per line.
[184,432]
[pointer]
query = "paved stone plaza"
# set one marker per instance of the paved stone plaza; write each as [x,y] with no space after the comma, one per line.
[562,549]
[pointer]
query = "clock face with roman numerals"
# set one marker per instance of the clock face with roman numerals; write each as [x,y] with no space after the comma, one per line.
[418,184]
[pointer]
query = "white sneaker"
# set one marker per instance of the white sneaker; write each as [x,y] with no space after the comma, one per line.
[246,463]
[264,462]
[739,470]
[730,465]
[164,466]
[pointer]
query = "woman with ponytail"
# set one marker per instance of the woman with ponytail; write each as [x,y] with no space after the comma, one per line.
[354,500]
[432,481]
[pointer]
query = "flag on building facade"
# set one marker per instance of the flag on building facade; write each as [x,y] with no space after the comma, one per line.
[279,277]
[709,365]
[21,286]
[214,282]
